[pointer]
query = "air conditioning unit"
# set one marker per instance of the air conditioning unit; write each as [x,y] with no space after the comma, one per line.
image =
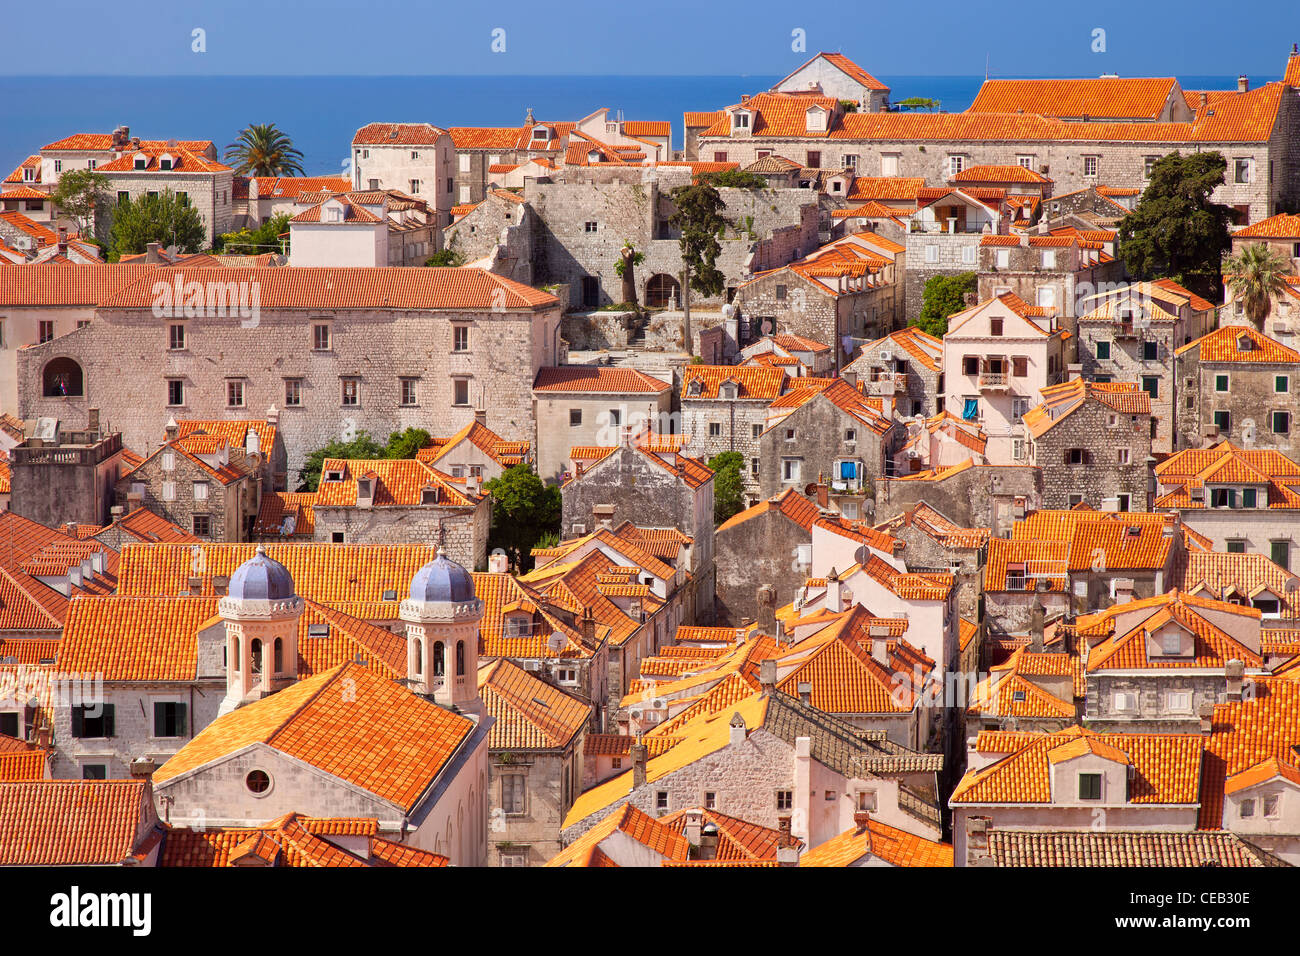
[532,665]
[579,527]
[636,713]
[659,704]
[886,355]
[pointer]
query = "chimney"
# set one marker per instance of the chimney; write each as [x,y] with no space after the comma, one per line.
[1205,100]
[588,627]
[823,493]
[693,826]
[97,561]
[805,692]
[861,818]
[70,529]
[1243,84]
[880,645]
[834,599]
[116,511]
[787,854]
[151,252]
[766,610]
[738,730]
[850,376]
[887,405]
[172,429]
[44,736]
[1037,613]
[1206,713]
[498,563]
[480,416]
[142,768]
[977,841]
[1235,671]
[709,841]
[134,500]
[273,416]
[767,675]
[63,239]
[639,752]
[74,576]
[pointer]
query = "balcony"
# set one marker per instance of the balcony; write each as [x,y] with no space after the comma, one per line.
[994,381]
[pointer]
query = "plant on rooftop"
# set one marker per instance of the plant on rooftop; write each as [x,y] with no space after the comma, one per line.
[524,512]
[403,444]
[264,150]
[728,488]
[1176,230]
[1255,276]
[78,194]
[943,296]
[733,179]
[917,103]
[254,242]
[629,257]
[166,218]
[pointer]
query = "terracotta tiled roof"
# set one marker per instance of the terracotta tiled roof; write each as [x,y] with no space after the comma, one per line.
[696,120]
[530,713]
[754,382]
[352,212]
[1104,98]
[31,162]
[1225,345]
[1215,574]
[999,174]
[1282,226]
[505,453]
[397,134]
[183,161]
[1214,647]
[70,823]
[789,503]
[1243,735]
[19,766]
[1059,401]
[1193,468]
[382,738]
[780,114]
[1131,539]
[1166,768]
[279,506]
[631,822]
[592,378]
[306,287]
[145,526]
[396,482]
[881,841]
[896,188]
[738,840]
[1120,848]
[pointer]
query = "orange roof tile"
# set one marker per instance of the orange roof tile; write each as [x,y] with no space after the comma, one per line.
[633,823]
[396,482]
[592,378]
[70,823]
[879,840]
[753,382]
[1244,734]
[1225,345]
[397,134]
[1104,98]
[1282,226]
[381,738]
[530,713]
[789,503]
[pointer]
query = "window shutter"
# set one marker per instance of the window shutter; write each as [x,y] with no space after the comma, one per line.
[1087,457]
[109,729]
[159,715]
[78,721]
[182,720]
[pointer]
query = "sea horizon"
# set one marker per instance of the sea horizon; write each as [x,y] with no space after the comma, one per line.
[321,112]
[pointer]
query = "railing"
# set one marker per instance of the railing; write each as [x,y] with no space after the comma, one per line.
[919,806]
[993,380]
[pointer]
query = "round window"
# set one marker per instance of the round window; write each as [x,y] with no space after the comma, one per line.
[258,781]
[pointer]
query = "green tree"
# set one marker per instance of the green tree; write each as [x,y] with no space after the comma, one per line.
[78,193]
[1176,231]
[734,179]
[625,268]
[405,444]
[698,217]
[943,296]
[264,150]
[917,103]
[728,488]
[1255,276]
[166,218]
[445,257]
[253,242]
[524,512]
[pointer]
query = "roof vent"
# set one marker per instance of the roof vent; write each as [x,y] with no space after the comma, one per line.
[318,630]
[390,595]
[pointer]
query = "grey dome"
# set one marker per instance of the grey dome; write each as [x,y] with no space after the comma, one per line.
[442,580]
[261,579]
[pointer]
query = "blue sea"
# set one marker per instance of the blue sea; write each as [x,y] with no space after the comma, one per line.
[320,113]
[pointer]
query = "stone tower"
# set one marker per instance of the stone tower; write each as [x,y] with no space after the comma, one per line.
[442,617]
[261,613]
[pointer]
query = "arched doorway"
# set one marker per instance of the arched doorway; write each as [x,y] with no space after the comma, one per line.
[661,290]
[62,379]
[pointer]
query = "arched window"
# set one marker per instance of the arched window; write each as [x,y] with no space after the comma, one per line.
[660,291]
[239,661]
[255,649]
[419,657]
[279,656]
[439,660]
[62,379]
[460,658]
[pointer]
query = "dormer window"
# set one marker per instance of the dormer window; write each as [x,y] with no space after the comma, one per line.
[333,476]
[740,120]
[727,391]
[365,489]
[141,161]
[1171,645]
[1245,343]
[333,213]
[1089,786]
[816,119]
[29,175]
[429,495]
[165,162]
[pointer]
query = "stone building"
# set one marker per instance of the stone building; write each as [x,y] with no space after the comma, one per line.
[475,452]
[945,235]
[725,408]
[1154,664]
[1240,499]
[57,477]
[196,177]
[997,356]
[498,230]
[396,501]
[933,542]
[585,406]
[1053,271]
[651,490]
[1037,124]
[339,351]
[847,291]
[199,483]
[535,758]
[797,355]
[259,198]
[834,74]
[766,546]
[1130,334]
[970,494]
[1238,385]
[772,755]
[1092,441]
[415,158]
[836,435]
[904,365]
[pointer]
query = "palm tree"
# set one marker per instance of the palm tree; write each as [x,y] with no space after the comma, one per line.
[263,150]
[1256,279]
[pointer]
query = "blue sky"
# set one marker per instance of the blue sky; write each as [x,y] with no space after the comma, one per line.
[683,37]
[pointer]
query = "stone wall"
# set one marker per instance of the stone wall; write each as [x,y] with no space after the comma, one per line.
[1103,433]
[820,437]
[761,550]
[982,496]
[223,504]
[462,531]
[211,194]
[1128,364]
[739,424]
[1250,401]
